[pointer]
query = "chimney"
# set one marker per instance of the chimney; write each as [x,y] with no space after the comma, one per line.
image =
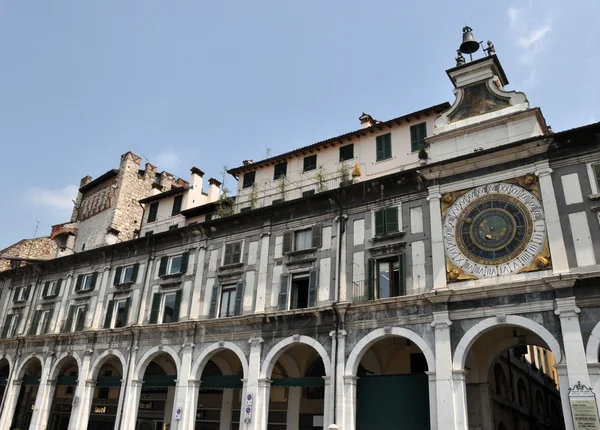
[85,180]
[366,120]
[247,162]
[213,190]
[194,196]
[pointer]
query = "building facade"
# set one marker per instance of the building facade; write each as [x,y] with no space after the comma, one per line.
[379,286]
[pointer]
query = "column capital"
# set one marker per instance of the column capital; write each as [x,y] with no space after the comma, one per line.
[90,383]
[188,346]
[194,383]
[327,379]
[566,307]
[136,383]
[264,382]
[52,382]
[341,333]
[459,374]
[254,341]
[430,375]
[106,268]
[350,380]
[265,234]
[17,382]
[441,320]
[542,168]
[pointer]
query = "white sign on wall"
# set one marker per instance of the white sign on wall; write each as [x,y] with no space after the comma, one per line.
[584,408]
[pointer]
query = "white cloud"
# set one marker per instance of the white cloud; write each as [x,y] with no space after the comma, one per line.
[534,37]
[513,15]
[61,199]
[167,160]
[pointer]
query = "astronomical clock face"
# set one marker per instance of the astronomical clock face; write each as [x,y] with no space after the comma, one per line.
[493,230]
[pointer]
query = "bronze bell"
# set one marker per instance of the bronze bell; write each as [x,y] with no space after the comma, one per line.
[469,44]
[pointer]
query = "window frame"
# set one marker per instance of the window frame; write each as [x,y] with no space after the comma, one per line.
[391,261]
[77,324]
[246,182]
[84,282]
[374,275]
[280,166]
[297,235]
[168,265]
[152,212]
[21,294]
[40,322]
[11,326]
[343,149]
[229,258]
[387,224]
[593,177]
[123,278]
[310,166]
[289,245]
[53,289]
[163,304]
[415,138]
[177,204]
[231,289]
[383,147]
[115,307]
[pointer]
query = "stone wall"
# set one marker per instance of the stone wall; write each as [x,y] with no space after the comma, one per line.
[41,248]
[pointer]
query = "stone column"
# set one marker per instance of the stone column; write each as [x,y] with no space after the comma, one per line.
[553,227]
[327,403]
[188,420]
[459,382]
[144,297]
[563,382]
[576,361]
[293,408]
[80,414]
[226,409]
[443,371]
[263,268]
[432,400]
[182,390]
[260,389]
[196,292]
[100,311]
[437,238]
[349,418]
[132,404]
[11,396]
[44,397]
[337,344]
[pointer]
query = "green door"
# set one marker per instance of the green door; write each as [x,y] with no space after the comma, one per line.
[390,402]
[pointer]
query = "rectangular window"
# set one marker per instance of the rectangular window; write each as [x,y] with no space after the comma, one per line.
[177,205]
[86,282]
[384,146]
[21,294]
[298,291]
[389,282]
[386,221]
[302,240]
[249,179]
[126,275]
[308,193]
[10,325]
[51,288]
[116,313]
[153,212]
[418,133]
[165,307]
[227,305]
[310,163]
[347,152]
[233,253]
[280,170]
[40,322]
[174,265]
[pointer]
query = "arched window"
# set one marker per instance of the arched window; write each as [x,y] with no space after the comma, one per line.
[315,370]
[500,379]
[523,393]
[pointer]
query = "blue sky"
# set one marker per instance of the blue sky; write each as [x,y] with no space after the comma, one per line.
[208,84]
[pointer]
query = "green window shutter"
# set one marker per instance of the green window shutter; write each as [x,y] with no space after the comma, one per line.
[422,134]
[127,304]
[45,289]
[17,318]
[156,298]
[15,295]
[379,148]
[214,300]
[184,262]
[117,279]
[597,174]
[313,282]
[177,205]
[69,320]
[81,319]
[402,274]
[387,139]
[134,274]
[47,322]
[414,139]
[371,279]
[287,241]
[177,306]
[109,313]
[162,269]
[58,286]
[282,302]
[78,283]
[34,322]
[316,235]
[380,222]
[239,297]
[391,220]
[7,322]
[26,293]
[94,279]
[237,252]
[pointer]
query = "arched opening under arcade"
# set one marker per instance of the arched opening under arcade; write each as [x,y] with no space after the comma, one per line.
[220,392]
[297,395]
[158,393]
[31,373]
[105,400]
[511,381]
[393,386]
[62,403]
[4,375]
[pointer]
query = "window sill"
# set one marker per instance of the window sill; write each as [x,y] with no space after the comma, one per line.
[594,196]
[231,266]
[53,296]
[387,236]
[84,291]
[171,276]
[301,252]
[124,284]
[383,161]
